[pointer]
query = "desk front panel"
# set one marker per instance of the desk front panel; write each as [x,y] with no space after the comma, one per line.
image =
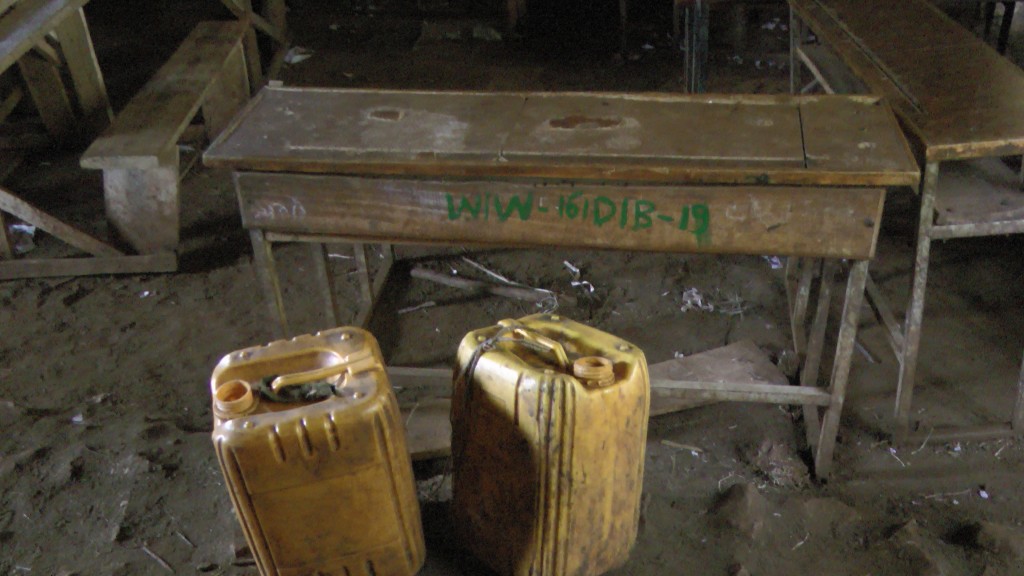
[783,220]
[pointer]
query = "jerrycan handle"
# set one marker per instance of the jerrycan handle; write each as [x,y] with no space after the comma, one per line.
[542,342]
[354,364]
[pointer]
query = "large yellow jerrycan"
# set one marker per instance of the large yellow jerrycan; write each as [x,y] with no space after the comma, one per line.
[549,422]
[312,446]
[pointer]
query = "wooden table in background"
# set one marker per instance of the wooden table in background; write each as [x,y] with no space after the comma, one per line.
[692,174]
[962,107]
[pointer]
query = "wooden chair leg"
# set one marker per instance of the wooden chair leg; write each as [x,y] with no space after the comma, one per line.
[1004,29]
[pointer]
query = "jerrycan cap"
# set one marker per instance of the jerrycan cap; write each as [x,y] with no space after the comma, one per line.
[234,398]
[594,371]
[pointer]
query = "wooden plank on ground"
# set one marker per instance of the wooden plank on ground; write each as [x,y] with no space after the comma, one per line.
[740,362]
[428,425]
[27,23]
[723,219]
[13,205]
[56,267]
[150,124]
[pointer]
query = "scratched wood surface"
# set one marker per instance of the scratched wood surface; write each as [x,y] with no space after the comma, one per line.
[954,92]
[800,221]
[683,139]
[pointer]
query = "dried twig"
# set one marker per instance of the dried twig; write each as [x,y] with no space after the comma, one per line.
[423,306]
[509,290]
[925,443]
[679,446]
[802,542]
[163,563]
[185,539]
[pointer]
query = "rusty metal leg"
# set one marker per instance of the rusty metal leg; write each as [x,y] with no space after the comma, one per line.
[815,346]
[798,315]
[915,311]
[841,369]
[1018,408]
[324,281]
[266,273]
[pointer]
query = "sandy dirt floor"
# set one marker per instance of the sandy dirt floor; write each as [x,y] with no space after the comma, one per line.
[106,465]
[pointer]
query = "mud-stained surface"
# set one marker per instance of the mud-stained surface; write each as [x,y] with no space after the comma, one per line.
[106,464]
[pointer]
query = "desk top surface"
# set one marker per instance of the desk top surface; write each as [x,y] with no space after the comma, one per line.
[27,22]
[830,140]
[955,93]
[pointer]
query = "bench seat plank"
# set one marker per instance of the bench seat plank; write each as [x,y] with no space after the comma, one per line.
[955,93]
[149,126]
[597,137]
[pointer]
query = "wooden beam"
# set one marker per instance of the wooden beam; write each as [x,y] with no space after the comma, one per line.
[10,102]
[76,45]
[49,94]
[736,392]
[13,205]
[54,267]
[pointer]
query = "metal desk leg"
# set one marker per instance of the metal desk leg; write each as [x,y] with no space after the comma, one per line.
[266,274]
[1018,407]
[841,368]
[815,346]
[915,312]
[324,281]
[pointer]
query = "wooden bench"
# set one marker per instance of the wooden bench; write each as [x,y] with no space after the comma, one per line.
[962,106]
[139,152]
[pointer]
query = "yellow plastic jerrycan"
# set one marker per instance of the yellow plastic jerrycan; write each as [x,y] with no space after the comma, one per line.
[312,446]
[549,423]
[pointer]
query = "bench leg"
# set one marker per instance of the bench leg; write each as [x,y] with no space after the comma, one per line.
[142,206]
[227,94]
[266,273]
[1004,29]
[324,281]
[841,368]
[49,95]
[815,347]
[915,311]
[76,45]
[795,39]
[6,249]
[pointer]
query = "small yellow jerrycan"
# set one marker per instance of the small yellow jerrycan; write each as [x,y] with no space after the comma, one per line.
[310,439]
[549,424]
